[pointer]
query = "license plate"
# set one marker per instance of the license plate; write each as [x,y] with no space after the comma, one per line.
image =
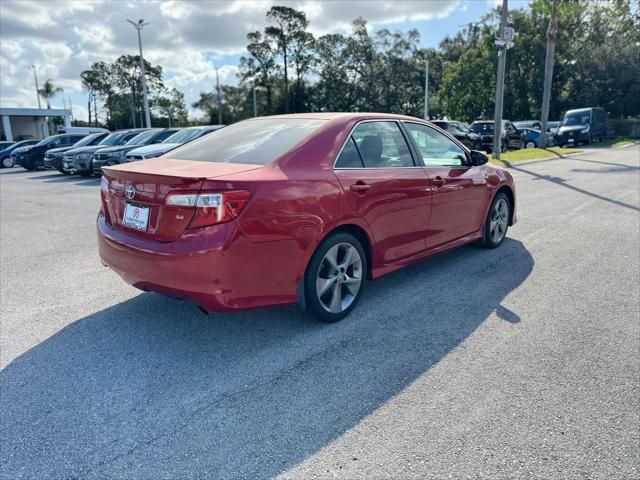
[135,216]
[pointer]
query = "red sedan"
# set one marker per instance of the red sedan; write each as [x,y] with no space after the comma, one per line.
[298,209]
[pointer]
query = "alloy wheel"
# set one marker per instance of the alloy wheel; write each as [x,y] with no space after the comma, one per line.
[499,220]
[339,277]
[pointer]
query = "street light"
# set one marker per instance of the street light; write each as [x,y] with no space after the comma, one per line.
[138,26]
[256,88]
[35,76]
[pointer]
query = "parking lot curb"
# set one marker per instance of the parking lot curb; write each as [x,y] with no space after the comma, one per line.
[508,164]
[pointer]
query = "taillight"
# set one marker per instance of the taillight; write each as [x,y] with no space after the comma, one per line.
[211,208]
[104,191]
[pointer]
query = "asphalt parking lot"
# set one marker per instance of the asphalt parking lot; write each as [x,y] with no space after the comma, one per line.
[520,362]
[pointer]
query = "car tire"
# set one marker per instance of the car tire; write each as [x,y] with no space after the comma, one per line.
[530,144]
[497,223]
[335,277]
[85,173]
[504,147]
[63,172]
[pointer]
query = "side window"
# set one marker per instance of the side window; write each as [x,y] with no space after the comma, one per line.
[349,158]
[436,149]
[382,145]
[163,135]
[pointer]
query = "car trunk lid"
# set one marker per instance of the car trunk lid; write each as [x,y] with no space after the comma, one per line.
[145,186]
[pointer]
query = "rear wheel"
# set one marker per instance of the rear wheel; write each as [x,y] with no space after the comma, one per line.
[335,277]
[495,228]
[7,162]
[530,144]
[504,147]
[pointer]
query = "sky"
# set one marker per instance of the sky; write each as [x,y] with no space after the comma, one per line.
[187,38]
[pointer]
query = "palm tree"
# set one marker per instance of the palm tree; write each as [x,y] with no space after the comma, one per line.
[48,91]
[90,84]
[553,9]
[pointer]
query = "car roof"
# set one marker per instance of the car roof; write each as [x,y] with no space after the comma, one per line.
[342,115]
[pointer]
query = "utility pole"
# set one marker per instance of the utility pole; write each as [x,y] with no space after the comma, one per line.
[219,98]
[255,104]
[503,43]
[35,77]
[426,90]
[138,26]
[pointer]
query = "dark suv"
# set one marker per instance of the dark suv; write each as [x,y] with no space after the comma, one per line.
[33,157]
[53,158]
[583,125]
[80,160]
[115,155]
[461,132]
[511,137]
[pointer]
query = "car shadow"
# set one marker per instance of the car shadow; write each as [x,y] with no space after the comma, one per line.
[565,183]
[152,388]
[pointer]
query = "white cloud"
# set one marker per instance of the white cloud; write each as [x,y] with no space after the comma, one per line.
[64,37]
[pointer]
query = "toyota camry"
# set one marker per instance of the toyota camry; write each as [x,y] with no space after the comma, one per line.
[298,209]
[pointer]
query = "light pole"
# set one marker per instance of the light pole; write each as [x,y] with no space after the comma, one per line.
[138,26]
[35,77]
[219,97]
[503,43]
[426,90]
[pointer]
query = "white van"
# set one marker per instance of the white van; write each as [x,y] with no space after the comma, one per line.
[82,130]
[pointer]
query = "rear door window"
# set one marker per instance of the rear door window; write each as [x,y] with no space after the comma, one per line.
[382,145]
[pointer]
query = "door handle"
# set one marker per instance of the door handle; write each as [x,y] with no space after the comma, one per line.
[439,181]
[360,187]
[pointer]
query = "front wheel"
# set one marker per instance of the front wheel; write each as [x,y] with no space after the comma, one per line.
[335,277]
[530,144]
[7,162]
[497,223]
[503,147]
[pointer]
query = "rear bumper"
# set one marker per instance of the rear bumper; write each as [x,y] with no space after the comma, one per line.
[216,268]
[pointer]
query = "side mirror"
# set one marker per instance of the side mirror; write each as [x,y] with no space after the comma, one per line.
[478,158]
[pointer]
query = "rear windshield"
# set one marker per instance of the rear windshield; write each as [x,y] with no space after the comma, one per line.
[256,142]
[143,138]
[482,127]
[83,142]
[183,136]
[112,138]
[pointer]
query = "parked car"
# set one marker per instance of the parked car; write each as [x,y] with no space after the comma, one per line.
[531,138]
[82,130]
[115,155]
[461,132]
[510,135]
[180,137]
[32,157]
[552,127]
[298,208]
[533,124]
[583,125]
[6,158]
[80,160]
[53,158]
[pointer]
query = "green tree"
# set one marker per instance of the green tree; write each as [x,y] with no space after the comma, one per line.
[286,30]
[261,64]
[171,108]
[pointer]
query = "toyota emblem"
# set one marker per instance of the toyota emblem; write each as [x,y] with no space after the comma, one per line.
[130,192]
